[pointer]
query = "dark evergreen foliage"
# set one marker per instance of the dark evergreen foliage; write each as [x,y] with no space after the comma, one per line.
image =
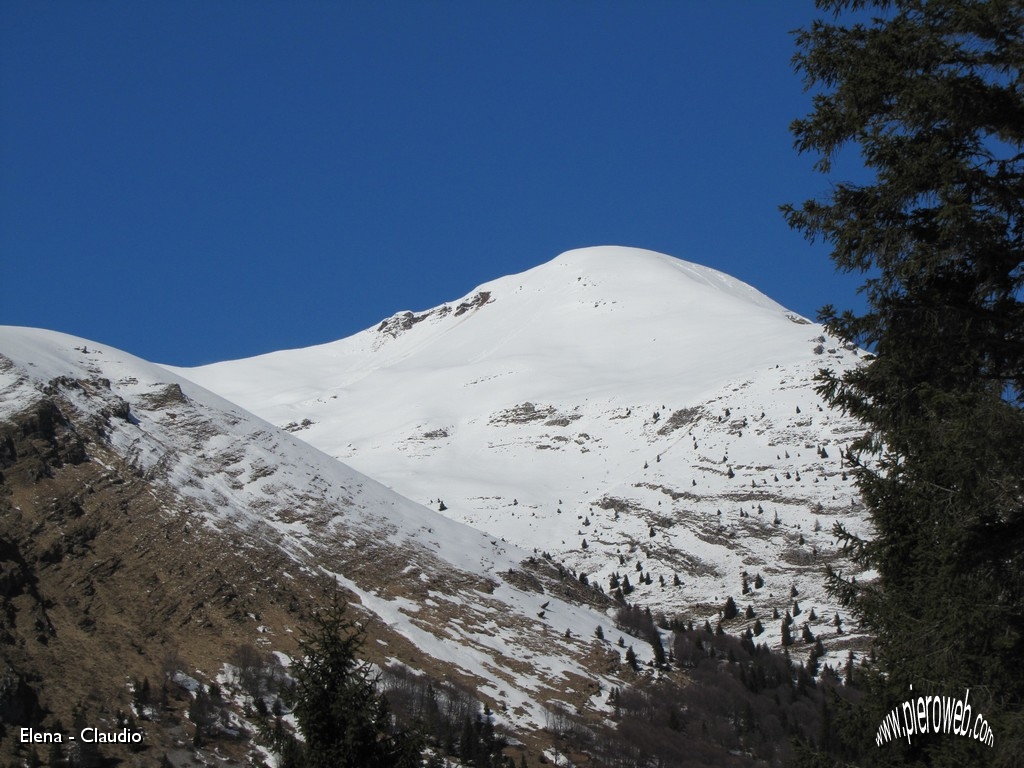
[740,705]
[627,588]
[449,718]
[930,93]
[631,659]
[640,623]
[807,635]
[787,638]
[344,719]
[479,745]
[729,610]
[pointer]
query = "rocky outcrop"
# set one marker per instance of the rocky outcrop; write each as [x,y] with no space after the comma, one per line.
[37,441]
[103,578]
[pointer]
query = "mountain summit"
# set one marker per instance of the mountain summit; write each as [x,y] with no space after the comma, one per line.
[586,323]
[613,431]
[614,407]
[605,322]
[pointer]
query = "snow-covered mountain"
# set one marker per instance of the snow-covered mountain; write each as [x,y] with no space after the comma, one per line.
[489,480]
[627,412]
[214,490]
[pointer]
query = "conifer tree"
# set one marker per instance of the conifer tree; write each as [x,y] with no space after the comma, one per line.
[631,659]
[787,637]
[729,610]
[345,721]
[930,93]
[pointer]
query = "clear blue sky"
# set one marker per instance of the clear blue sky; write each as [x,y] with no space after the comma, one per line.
[201,180]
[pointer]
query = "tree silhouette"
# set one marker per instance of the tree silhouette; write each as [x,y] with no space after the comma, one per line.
[345,721]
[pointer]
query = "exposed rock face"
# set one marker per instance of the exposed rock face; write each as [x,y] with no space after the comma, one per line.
[397,324]
[478,300]
[37,441]
[99,583]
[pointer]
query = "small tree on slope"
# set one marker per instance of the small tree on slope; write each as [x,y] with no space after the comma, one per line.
[344,720]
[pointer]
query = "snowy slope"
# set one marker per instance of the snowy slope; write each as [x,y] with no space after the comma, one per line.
[468,600]
[626,411]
